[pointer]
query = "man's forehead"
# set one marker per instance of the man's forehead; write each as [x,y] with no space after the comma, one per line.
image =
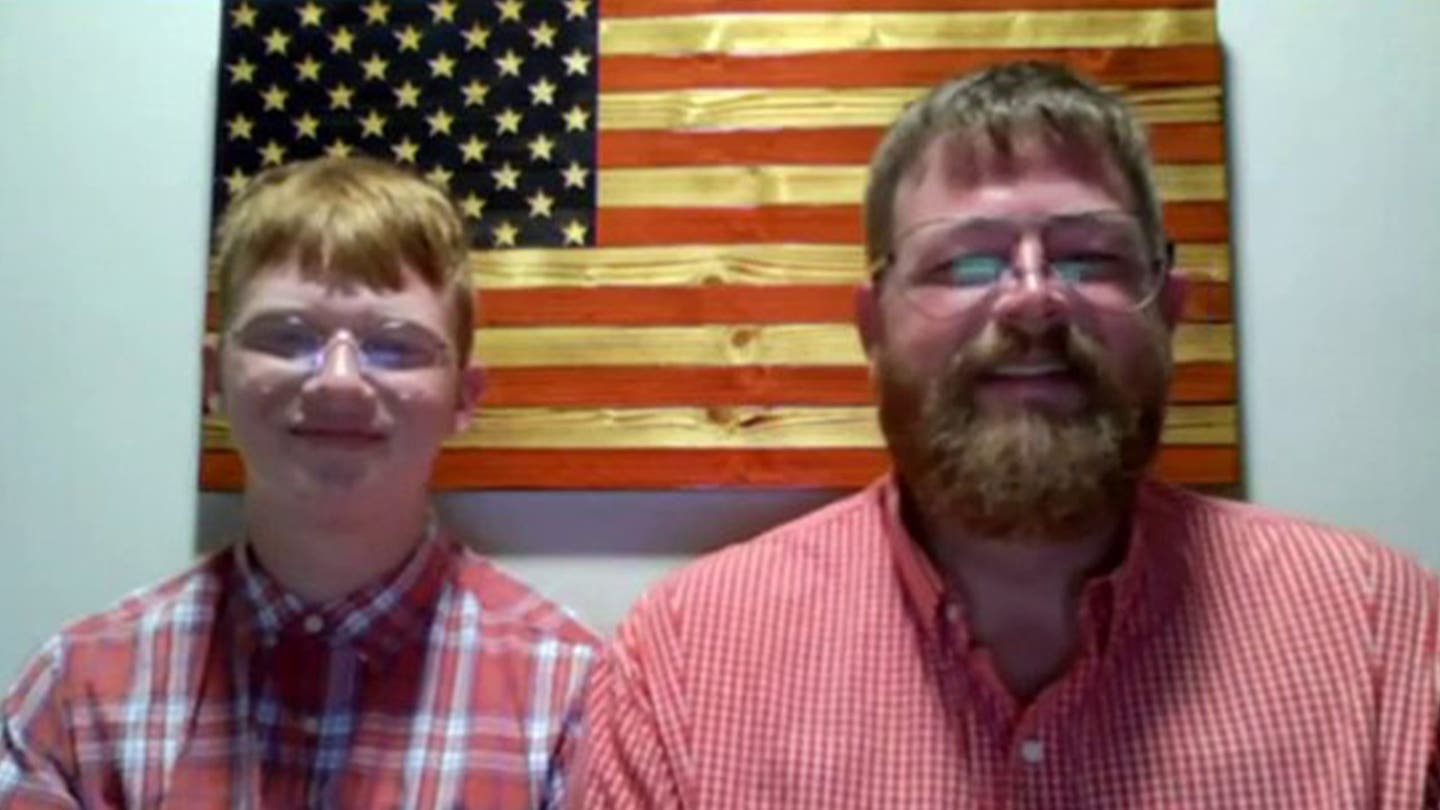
[953,164]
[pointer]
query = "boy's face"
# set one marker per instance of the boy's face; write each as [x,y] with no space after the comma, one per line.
[336,392]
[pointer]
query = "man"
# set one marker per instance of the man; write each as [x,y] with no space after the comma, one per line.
[344,652]
[1017,616]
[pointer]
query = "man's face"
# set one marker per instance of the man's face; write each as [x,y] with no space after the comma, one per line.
[1023,408]
[334,393]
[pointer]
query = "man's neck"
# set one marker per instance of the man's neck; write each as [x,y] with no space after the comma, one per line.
[1022,599]
[322,554]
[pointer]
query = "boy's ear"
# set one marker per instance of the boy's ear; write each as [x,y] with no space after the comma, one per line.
[469,388]
[210,393]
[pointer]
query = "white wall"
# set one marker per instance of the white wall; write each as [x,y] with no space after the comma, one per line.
[105,116]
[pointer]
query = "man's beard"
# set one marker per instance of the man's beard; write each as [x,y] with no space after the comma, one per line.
[1025,474]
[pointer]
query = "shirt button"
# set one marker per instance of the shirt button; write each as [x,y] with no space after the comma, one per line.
[952,613]
[311,724]
[1032,752]
[313,624]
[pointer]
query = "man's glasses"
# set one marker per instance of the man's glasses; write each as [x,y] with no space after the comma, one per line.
[945,266]
[386,346]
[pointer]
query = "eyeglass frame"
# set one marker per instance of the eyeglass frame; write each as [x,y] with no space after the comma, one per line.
[1157,267]
[309,363]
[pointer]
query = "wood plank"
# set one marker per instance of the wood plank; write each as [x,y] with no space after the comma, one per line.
[669,469]
[695,109]
[727,427]
[677,306]
[738,345]
[785,184]
[822,224]
[1169,143]
[1192,64]
[620,386]
[782,32]
[663,8]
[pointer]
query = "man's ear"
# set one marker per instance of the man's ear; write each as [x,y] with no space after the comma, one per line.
[869,322]
[210,399]
[1173,295]
[469,388]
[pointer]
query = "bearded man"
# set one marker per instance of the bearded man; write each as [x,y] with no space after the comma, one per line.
[1019,615]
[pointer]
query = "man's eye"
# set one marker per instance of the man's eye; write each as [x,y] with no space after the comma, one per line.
[1092,267]
[974,270]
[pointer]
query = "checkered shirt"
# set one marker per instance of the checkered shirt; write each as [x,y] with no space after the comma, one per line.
[448,685]
[1234,659]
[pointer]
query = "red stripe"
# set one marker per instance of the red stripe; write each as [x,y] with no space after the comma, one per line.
[1170,143]
[664,469]
[664,306]
[821,224]
[1188,64]
[672,386]
[661,8]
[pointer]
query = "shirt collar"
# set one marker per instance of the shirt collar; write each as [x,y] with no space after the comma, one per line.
[1138,590]
[378,619]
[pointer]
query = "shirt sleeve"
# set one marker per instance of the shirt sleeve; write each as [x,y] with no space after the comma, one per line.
[562,754]
[635,749]
[37,762]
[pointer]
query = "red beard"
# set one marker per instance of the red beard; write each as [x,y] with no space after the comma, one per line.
[1024,474]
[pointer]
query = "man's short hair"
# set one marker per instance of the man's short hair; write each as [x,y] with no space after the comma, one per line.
[1000,110]
[347,221]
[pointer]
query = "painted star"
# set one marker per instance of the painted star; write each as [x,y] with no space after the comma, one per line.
[509,64]
[505,234]
[440,122]
[242,71]
[276,41]
[306,126]
[338,148]
[576,9]
[508,121]
[373,125]
[407,95]
[574,232]
[442,65]
[542,93]
[236,181]
[243,16]
[541,204]
[541,148]
[509,10]
[443,11]
[406,150]
[409,38]
[577,63]
[440,176]
[576,118]
[376,12]
[477,37]
[543,35]
[472,206]
[308,69]
[475,92]
[342,41]
[375,67]
[506,177]
[472,150]
[574,175]
[310,14]
[340,96]
[241,128]
[272,154]
[274,97]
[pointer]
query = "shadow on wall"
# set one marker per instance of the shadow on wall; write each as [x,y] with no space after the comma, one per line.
[566,523]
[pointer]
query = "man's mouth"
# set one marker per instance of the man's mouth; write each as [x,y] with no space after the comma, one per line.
[338,435]
[1045,368]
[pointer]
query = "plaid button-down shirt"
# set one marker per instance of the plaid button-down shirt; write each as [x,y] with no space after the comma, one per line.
[448,685]
[1235,659]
